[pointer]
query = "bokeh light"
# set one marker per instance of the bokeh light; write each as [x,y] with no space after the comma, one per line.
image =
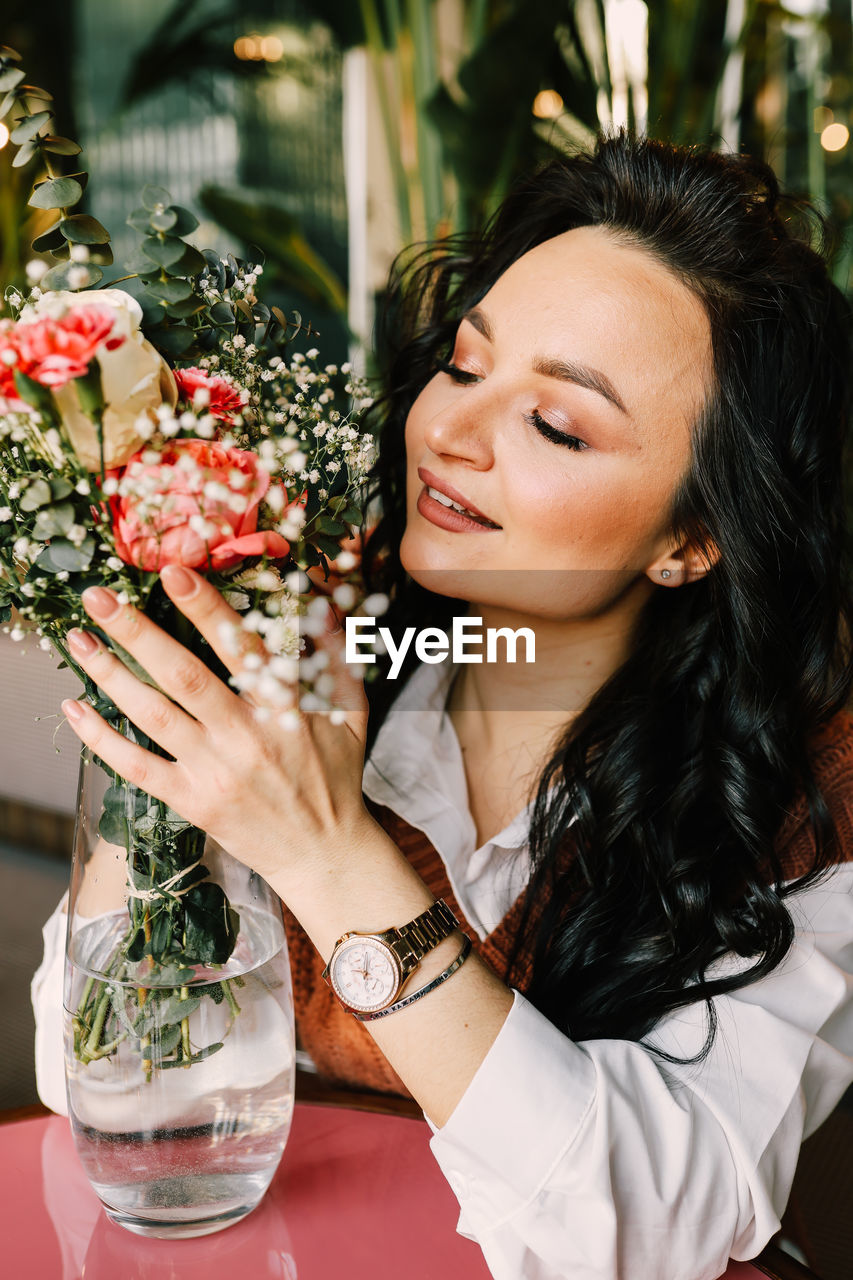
[256,48]
[547,104]
[272,50]
[834,136]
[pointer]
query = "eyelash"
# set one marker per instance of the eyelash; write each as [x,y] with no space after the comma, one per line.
[535,419]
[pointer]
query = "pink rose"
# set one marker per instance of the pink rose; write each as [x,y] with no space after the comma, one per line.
[197,506]
[224,399]
[55,351]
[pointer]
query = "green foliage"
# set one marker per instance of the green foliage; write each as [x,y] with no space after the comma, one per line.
[265,220]
[30,111]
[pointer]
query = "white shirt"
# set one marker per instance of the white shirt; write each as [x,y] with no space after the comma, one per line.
[594,1160]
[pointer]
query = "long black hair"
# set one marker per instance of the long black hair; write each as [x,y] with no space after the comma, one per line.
[681,766]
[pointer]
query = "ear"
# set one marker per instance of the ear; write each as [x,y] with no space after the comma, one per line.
[686,564]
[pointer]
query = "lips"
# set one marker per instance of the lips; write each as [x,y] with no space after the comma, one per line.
[449,491]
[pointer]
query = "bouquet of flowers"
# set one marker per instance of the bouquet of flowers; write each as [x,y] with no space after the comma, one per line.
[175,427]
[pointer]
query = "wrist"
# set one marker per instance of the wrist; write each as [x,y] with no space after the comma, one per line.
[362,882]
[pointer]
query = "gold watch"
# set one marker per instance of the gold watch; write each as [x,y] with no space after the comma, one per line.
[367,971]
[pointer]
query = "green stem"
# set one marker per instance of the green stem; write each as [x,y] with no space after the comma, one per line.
[91,1047]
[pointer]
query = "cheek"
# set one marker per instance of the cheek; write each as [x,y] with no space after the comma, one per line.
[602,516]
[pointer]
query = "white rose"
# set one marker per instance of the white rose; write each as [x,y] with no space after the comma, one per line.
[136,379]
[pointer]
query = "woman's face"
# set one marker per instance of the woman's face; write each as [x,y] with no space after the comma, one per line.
[564,419]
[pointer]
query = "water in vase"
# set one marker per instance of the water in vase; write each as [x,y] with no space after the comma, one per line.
[182,1147]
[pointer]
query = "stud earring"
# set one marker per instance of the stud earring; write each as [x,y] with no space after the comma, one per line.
[664,573]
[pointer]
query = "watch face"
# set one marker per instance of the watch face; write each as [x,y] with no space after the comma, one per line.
[364,974]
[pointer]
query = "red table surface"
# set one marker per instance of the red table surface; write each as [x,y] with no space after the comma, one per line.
[357,1195]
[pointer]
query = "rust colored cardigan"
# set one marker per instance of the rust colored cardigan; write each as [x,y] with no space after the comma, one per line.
[343,1049]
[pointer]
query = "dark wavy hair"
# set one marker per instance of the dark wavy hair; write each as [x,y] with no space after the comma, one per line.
[682,765]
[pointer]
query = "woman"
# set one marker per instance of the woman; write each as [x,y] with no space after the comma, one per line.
[637,385]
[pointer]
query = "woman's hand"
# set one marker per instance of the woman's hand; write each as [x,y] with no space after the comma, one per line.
[279,799]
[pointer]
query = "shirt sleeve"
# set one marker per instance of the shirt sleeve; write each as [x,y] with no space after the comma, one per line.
[46,995]
[597,1160]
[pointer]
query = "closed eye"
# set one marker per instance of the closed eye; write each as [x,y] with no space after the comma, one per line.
[458,375]
[551,433]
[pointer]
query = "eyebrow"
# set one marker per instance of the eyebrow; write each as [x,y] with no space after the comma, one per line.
[564,370]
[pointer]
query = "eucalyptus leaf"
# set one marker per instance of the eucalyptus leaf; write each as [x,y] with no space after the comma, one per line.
[165,1043]
[56,193]
[189,307]
[53,520]
[28,127]
[61,554]
[58,277]
[10,77]
[101,254]
[140,220]
[81,228]
[8,102]
[221,313]
[60,488]
[60,146]
[34,91]
[185,222]
[170,290]
[328,546]
[25,155]
[164,1013]
[212,924]
[164,220]
[190,264]
[334,527]
[152,197]
[176,975]
[118,799]
[48,240]
[115,829]
[37,494]
[137,262]
[164,252]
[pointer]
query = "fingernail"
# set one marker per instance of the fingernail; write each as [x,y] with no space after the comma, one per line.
[179,581]
[101,602]
[82,643]
[72,709]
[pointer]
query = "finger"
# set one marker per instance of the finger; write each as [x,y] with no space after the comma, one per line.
[150,773]
[154,713]
[183,676]
[212,616]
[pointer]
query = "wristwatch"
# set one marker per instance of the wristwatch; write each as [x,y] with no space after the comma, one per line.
[367,971]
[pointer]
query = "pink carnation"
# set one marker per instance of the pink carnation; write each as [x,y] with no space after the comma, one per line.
[224,399]
[55,351]
[8,363]
[203,513]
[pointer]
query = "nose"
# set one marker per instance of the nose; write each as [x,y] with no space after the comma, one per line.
[463,427]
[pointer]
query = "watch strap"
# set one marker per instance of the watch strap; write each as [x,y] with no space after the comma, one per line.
[423,933]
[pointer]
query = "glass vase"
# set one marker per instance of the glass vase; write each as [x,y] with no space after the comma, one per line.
[178,1012]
